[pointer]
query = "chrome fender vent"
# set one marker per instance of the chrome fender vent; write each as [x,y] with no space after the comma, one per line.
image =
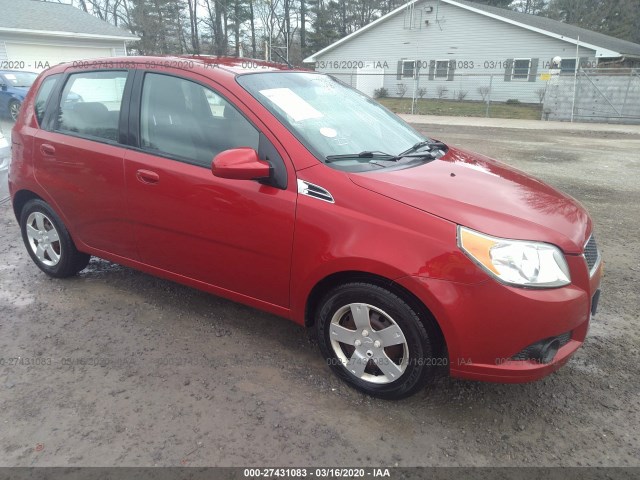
[592,255]
[314,191]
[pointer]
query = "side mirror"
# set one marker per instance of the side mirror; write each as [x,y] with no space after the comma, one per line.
[3,86]
[240,164]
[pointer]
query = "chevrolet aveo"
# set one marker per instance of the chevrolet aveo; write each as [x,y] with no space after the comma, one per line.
[293,193]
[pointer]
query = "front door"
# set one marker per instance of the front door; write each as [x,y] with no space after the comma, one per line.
[234,234]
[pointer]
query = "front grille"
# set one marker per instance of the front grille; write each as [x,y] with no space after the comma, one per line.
[591,253]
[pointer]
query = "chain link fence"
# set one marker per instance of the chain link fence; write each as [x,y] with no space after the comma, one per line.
[610,95]
[588,94]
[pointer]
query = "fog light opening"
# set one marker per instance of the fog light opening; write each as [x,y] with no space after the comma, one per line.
[548,351]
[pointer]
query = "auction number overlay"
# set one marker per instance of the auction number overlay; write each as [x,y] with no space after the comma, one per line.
[316,472]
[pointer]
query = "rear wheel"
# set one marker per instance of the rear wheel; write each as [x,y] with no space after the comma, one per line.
[375,341]
[48,241]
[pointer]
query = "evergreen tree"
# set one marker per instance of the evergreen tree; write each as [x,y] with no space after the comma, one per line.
[158,24]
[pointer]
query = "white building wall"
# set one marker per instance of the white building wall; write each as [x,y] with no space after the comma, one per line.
[480,46]
[74,45]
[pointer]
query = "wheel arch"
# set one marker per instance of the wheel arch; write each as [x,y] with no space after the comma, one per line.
[21,198]
[351,276]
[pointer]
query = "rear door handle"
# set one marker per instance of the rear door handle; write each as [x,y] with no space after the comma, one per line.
[147,176]
[47,150]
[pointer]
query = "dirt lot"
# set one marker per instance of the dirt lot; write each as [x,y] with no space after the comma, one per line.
[164,375]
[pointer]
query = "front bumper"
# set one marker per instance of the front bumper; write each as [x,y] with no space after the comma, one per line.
[5,154]
[485,325]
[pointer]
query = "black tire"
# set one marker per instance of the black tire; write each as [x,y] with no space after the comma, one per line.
[414,355]
[14,109]
[70,261]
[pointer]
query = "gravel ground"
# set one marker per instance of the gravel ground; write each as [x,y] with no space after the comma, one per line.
[140,371]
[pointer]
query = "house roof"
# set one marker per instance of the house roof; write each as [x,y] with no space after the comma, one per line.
[622,47]
[604,45]
[57,19]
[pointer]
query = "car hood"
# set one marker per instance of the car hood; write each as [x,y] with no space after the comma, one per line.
[480,193]
[19,91]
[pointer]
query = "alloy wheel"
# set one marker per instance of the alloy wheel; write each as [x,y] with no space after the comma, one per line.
[14,110]
[369,343]
[44,239]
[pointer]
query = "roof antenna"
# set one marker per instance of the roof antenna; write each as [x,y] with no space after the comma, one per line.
[284,59]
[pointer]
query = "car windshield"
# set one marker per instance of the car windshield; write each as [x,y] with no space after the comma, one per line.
[20,79]
[335,122]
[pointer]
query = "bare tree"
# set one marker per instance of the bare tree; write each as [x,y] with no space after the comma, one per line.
[193,25]
[484,92]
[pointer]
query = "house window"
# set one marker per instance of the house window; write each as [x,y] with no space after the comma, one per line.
[408,68]
[521,68]
[442,69]
[568,65]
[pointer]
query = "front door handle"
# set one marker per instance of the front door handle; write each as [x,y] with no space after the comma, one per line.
[147,176]
[47,150]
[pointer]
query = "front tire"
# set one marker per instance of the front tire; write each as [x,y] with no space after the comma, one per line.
[48,241]
[375,341]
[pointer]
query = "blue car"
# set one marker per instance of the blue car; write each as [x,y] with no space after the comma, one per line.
[14,85]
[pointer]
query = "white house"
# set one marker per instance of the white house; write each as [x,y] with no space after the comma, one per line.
[458,46]
[35,35]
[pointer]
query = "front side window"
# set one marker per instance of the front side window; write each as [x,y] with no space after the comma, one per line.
[330,118]
[521,68]
[90,104]
[442,69]
[184,119]
[43,95]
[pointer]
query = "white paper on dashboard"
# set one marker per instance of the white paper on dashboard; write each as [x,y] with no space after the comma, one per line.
[291,104]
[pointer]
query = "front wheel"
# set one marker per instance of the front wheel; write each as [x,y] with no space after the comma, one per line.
[376,342]
[48,241]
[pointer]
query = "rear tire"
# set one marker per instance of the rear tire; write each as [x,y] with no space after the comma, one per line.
[374,341]
[48,242]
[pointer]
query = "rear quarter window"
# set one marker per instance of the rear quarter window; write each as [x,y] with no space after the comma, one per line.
[46,87]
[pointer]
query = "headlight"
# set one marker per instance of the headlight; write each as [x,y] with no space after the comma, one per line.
[516,262]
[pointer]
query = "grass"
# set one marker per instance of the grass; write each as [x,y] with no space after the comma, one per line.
[431,106]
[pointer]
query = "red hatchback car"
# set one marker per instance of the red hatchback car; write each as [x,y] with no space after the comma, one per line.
[294,193]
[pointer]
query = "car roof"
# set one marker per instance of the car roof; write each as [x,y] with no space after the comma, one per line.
[227,66]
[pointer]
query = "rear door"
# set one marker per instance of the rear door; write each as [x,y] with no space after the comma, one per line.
[234,234]
[79,159]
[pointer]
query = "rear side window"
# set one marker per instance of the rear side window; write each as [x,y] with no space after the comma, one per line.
[43,95]
[90,104]
[184,119]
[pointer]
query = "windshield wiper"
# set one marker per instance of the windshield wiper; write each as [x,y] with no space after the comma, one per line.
[366,154]
[377,156]
[427,143]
